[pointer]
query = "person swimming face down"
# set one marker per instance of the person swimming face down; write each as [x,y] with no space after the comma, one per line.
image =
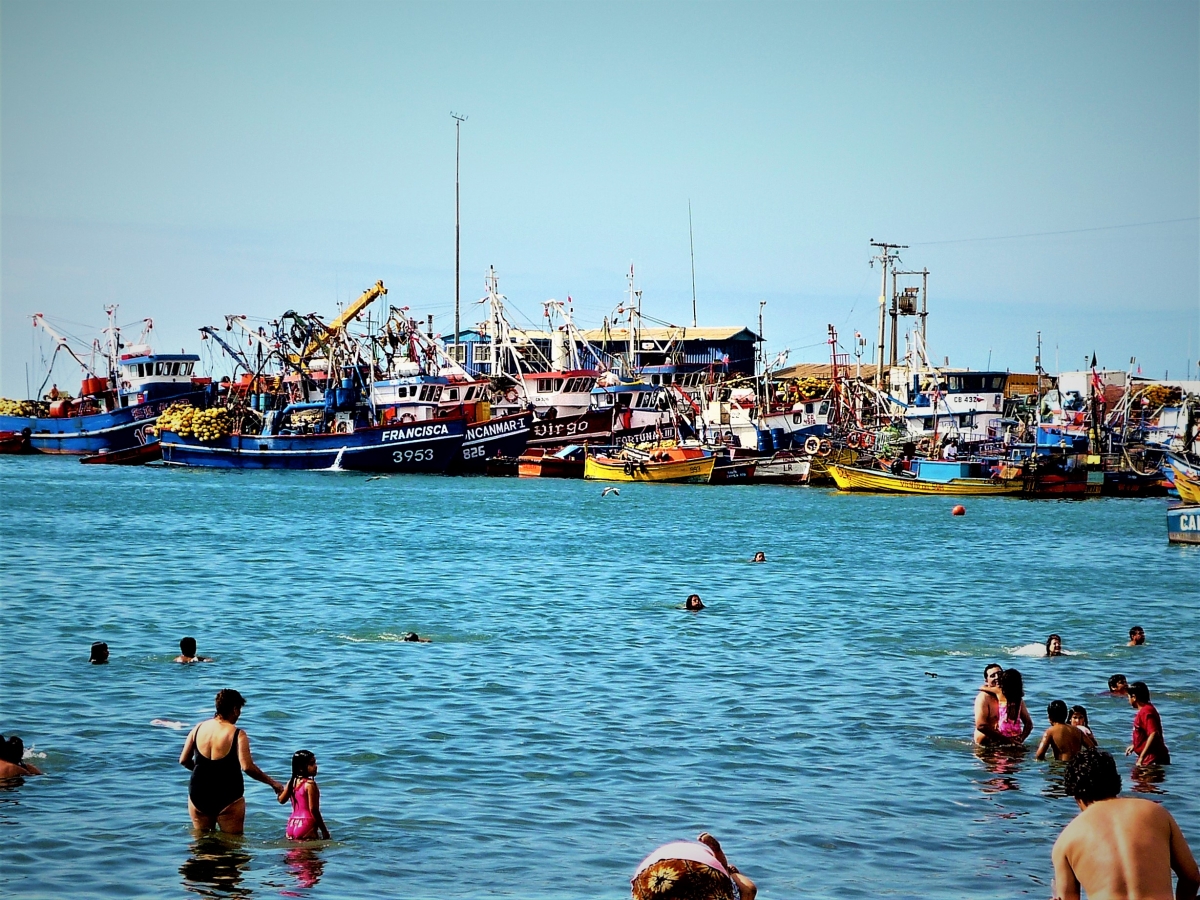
[693,603]
[1054,645]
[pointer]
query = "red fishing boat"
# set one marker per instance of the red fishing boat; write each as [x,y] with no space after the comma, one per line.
[15,442]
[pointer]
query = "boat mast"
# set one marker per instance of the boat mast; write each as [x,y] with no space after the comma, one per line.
[458,120]
[692,247]
[886,258]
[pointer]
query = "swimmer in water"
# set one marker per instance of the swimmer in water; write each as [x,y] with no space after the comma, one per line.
[1137,637]
[686,870]
[411,637]
[1013,721]
[1054,645]
[1079,719]
[99,654]
[12,759]
[759,557]
[1118,686]
[187,652]
[1061,738]
[693,603]
[987,709]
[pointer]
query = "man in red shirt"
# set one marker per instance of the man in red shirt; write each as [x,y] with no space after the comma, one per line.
[1148,741]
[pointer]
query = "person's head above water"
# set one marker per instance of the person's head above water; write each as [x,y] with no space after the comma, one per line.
[759,557]
[693,602]
[992,673]
[99,653]
[1137,636]
[1054,645]
[229,704]
[1139,693]
[1117,685]
[1056,712]
[1080,714]
[187,646]
[1092,775]
[302,762]
[12,750]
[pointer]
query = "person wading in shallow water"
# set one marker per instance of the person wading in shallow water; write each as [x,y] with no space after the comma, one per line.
[1118,848]
[987,711]
[218,752]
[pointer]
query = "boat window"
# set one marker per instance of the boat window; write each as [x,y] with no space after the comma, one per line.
[175,367]
[141,370]
[454,393]
[927,424]
[606,399]
[544,385]
[424,392]
[625,399]
[436,392]
[188,368]
[808,408]
[158,367]
[558,383]
[823,409]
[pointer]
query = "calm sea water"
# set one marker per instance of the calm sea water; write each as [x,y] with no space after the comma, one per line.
[567,717]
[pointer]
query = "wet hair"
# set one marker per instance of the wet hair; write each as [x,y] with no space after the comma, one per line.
[187,646]
[229,702]
[99,652]
[1013,688]
[301,760]
[689,604]
[411,637]
[989,668]
[12,750]
[1139,692]
[1057,712]
[1092,775]
[1136,629]
[1115,680]
[1079,711]
[1051,638]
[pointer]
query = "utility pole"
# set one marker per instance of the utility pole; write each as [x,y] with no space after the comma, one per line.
[692,247]
[762,359]
[886,259]
[458,120]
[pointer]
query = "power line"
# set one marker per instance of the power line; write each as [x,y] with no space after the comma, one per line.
[1009,237]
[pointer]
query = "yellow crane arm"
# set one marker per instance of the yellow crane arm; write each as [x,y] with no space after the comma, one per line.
[348,314]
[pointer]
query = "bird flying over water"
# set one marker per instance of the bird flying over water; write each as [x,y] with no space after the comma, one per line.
[607,490]
[377,477]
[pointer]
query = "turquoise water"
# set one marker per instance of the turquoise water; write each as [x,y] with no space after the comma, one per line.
[567,717]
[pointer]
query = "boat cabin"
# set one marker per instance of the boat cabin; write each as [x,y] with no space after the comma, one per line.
[157,376]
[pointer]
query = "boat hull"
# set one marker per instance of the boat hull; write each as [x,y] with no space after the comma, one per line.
[133,456]
[1188,487]
[14,442]
[782,468]
[121,429]
[423,447]
[690,471]
[502,436]
[539,463]
[849,478]
[1183,524]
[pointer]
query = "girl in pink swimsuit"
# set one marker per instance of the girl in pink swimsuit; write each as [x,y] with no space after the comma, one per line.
[1014,717]
[302,790]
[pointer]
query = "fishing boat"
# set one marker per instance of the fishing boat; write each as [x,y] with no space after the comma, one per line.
[503,436]
[15,441]
[538,462]
[1183,524]
[784,467]
[664,465]
[930,477]
[1188,486]
[125,389]
[149,452]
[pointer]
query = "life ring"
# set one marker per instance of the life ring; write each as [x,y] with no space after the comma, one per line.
[408,417]
[852,440]
[512,395]
[825,448]
[812,444]
[866,440]
[628,469]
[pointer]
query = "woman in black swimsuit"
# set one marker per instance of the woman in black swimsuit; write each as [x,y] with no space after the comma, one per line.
[218,752]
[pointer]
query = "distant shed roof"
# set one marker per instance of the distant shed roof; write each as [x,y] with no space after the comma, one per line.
[675,333]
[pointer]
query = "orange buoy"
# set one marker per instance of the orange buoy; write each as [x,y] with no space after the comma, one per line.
[959,511]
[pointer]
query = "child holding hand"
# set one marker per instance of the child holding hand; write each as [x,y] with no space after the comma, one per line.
[302,790]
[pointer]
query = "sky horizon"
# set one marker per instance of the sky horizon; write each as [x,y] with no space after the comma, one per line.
[189,161]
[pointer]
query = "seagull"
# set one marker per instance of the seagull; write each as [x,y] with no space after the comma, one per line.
[615,490]
[377,477]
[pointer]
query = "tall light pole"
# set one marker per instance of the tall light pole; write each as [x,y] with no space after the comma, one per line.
[886,259]
[458,120]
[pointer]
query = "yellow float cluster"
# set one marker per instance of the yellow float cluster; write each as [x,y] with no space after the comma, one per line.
[809,388]
[26,408]
[1160,395]
[187,421]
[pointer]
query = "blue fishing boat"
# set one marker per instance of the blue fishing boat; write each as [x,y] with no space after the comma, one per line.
[504,436]
[114,410]
[1183,524]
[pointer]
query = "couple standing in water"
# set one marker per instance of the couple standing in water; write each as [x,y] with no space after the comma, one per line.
[217,752]
[1000,714]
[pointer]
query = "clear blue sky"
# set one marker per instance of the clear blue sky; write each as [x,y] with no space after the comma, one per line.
[192,160]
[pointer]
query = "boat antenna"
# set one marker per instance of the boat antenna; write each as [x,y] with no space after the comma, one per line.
[458,120]
[692,247]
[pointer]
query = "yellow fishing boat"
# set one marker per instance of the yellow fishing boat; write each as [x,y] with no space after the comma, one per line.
[849,478]
[1188,487]
[663,465]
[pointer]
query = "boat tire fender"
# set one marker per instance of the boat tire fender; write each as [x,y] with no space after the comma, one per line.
[811,445]
[408,417]
[628,469]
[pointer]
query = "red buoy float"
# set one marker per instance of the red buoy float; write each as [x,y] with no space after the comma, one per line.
[959,510]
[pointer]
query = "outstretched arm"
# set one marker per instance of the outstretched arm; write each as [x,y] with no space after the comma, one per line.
[248,766]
